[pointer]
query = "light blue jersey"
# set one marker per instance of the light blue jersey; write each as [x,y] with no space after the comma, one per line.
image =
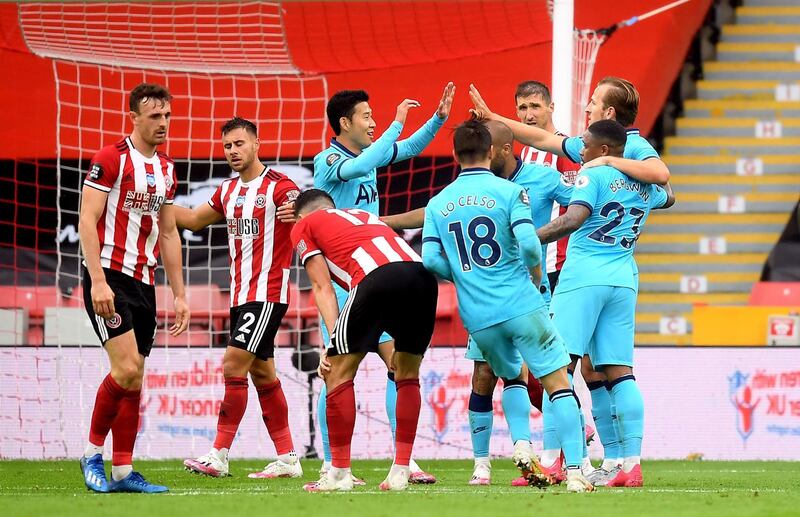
[544,186]
[600,252]
[478,233]
[636,147]
[352,181]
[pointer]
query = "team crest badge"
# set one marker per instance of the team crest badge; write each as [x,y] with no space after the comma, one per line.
[332,158]
[96,171]
[261,201]
[581,181]
[239,201]
[151,179]
[114,322]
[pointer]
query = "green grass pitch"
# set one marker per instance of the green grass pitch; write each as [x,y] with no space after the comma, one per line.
[672,488]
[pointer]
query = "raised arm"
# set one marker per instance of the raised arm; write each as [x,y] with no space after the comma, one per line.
[417,142]
[406,221]
[651,170]
[170,244]
[528,135]
[196,218]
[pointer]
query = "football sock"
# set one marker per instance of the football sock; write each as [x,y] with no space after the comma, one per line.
[517,408]
[106,406]
[630,412]
[535,392]
[584,447]
[391,403]
[409,402]
[125,428]
[603,422]
[568,424]
[275,413]
[92,449]
[119,472]
[231,411]
[322,420]
[341,405]
[551,448]
[481,418]
[615,421]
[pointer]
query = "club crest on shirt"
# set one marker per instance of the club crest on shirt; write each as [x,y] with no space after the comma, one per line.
[581,181]
[96,171]
[261,201]
[114,322]
[523,196]
[332,158]
[239,201]
[151,179]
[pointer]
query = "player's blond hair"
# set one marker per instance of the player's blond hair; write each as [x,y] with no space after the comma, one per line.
[623,97]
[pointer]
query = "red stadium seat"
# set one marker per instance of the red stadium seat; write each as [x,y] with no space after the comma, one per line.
[194,336]
[775,293]
[208,306]
[35,299]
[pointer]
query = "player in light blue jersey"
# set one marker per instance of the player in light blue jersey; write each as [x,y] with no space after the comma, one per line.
[613,99]
[347,170]
[479,234]
[595,301]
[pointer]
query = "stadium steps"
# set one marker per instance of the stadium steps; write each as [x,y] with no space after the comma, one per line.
[754,56]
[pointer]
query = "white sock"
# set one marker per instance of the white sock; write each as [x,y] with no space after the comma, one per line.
[337,473]
[550,457]
[413,466]
[120,471]
[586,466]
[290,457]
[483,461]
[326,465]
[222,454]
[630,462]
[92,449]
[609,463]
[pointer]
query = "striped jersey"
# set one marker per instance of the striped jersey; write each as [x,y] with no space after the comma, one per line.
[137,188]
[353,242]
[556,251]
[259,249]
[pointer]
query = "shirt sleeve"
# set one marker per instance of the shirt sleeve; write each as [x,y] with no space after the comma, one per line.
[572,148]
[522,227]
[585,191]
[348,168]
[216,201]
[560,189]
[285,191]
[658,196]
[303,241]
[172,184]
[104,170]
[414,144]
[433,257]
[639,149]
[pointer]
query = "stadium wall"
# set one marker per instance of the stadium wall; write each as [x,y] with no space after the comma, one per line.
[745,404]
[386,47]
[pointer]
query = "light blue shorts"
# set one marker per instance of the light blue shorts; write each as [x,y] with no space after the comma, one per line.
[531,338]
[597,320]
[341,298]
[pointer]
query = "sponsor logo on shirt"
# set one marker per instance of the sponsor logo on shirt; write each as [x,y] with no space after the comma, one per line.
[96,171]
[151,179]
[243,228]
[239,201]
[143,202]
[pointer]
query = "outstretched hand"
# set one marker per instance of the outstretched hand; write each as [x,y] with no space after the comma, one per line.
[402,110]
[443,111]
[481,110]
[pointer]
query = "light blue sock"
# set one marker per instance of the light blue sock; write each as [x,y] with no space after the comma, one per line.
[549,434]
[615,422]
[630,413]
[603,422]
[391,403]
[481,418]
[584,447]
[517,407]
[322,420]
[568,424]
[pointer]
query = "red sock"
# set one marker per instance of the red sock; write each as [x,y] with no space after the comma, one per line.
[535,391]
[409,402]
[275,413]
[231,411]
[341,403]
[125,427]
[106,407]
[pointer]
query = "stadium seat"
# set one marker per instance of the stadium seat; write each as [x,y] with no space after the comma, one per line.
[775,293]
[193,337]
[35,299]
[208,306]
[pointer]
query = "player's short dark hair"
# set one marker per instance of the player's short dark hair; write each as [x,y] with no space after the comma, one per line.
[239,123]
[623,97]
[343,104]
[611,133]
[310,199]
[526,88]
[471,141]
[148,91]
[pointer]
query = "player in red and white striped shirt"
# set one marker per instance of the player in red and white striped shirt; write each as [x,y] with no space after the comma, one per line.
[260,255]
[389,290]
[126,199]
